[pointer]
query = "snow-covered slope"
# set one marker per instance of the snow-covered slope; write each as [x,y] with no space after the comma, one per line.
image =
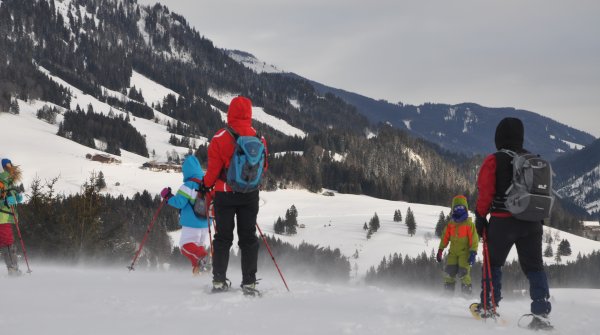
[58,300]
[252,62]
[337,221]
[260,115]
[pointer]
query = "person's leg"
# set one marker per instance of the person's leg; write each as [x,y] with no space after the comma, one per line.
[225,222]
[529,249]
[500,239]
[464,272]
[450,271]
[8,249]
[246,229]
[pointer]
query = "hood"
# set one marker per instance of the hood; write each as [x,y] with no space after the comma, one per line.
[239,114]
[191,168]
[460,200]
[509,134]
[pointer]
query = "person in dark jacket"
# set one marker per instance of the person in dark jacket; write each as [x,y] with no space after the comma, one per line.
[503,230]
[228,204]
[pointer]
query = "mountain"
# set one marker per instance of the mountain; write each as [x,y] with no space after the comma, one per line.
[139,83]
[466,127]
[579,177]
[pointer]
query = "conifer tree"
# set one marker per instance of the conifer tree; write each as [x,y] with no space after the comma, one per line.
[374,223]
[397,216]
[410,222]
[564,248]
[548,251]
[441,224]
[278,226]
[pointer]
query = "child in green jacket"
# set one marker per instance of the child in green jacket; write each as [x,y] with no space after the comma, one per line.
[460,232]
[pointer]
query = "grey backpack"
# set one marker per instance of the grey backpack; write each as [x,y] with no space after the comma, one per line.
[529,196]
[199,204]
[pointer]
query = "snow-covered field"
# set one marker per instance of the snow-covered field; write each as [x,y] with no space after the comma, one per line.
[63,300]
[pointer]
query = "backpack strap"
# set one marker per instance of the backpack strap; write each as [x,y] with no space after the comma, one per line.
[232,133]
[511,153]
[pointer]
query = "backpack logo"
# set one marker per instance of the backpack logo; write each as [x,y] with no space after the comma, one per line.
[247,163]
[529,196]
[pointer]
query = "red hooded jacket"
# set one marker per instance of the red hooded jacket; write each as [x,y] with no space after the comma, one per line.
[220,149]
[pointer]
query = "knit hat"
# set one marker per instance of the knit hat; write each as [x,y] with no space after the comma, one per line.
[509,134]
[460,208]
[5,162]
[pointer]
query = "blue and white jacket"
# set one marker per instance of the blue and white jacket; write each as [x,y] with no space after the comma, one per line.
[186,195]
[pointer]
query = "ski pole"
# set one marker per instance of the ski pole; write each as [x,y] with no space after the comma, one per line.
[272,257]
[12,209]
[211,219]
[487,274]
[130,267]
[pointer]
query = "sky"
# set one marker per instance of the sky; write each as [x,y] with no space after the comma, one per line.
[538,55]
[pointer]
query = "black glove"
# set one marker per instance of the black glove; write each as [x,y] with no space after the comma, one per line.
[203,188]
[481,224]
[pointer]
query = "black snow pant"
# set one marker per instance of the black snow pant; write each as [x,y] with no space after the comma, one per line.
[244,206]
[503,233]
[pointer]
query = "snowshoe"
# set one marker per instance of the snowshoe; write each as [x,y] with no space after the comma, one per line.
[250,290]
[449,289]
[221,286]
[538,322]
[205,264]
[481,313]
[14,272]
[467,290]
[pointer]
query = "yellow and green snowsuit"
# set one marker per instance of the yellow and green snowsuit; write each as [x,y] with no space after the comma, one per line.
[463,239]
[5,190]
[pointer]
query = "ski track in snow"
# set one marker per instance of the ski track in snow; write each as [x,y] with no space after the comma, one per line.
[57,299]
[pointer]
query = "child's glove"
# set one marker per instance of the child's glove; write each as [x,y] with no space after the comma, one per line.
[19,198]
[166,193]
[11,200]
[438,257]
[472,255]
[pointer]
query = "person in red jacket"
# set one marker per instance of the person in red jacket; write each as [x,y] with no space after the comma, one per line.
[229,204]
[503,230]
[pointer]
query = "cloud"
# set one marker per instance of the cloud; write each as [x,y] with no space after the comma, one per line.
[538,55]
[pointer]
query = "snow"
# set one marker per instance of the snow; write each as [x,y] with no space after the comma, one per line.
[552,137]
[45,155]
[253,63]
[580,187]
[591,223]
[451,114]
[283,153]
[413,156]
[574,146]
[151,90]
[295,103]
[407,123]
[370,134]
[260,115]
[73,300]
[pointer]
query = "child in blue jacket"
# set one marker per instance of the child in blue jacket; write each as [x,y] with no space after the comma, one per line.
[194,239]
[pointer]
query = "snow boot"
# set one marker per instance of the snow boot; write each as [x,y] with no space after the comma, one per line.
[250,290]
[449,288]
[221,286]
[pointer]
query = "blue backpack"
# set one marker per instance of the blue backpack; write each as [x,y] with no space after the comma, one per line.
[247,163]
